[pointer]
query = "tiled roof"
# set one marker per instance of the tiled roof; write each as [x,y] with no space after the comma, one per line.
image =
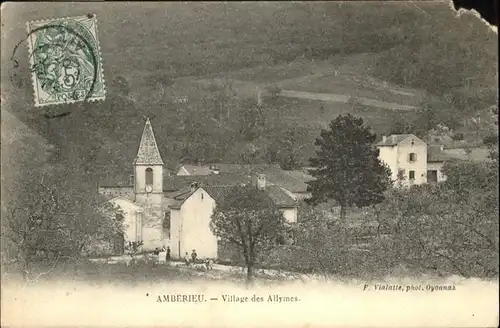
[180,195]
[226,168]
[436,154]
[219,193]
[197,169]
[178,182]
[394,139]
[148,152]
[280,197]
[275,193]
[294,181]
[476,154]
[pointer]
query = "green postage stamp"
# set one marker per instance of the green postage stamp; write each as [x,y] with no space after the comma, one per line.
[65,58]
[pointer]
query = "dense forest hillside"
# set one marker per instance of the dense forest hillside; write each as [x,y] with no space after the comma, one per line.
[154,59]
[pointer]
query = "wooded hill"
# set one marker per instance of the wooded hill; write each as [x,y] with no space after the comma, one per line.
[146,51]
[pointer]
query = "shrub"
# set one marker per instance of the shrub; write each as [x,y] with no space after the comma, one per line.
[458,136]
[491,139]
[273,90]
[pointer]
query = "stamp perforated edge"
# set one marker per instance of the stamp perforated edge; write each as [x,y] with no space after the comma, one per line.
[31,61]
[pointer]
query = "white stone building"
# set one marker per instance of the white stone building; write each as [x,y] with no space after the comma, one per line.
[175,211]
[411,160]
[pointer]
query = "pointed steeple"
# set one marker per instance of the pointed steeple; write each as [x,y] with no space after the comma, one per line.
[148,153]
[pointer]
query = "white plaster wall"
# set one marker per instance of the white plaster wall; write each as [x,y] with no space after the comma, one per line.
[152,227]
[175,226]
[152,219]
[130,218]
[191,226]
[389,156]
[195,231]
[419,166]
[290,214]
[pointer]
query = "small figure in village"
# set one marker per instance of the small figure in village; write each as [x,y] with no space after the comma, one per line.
[208,264]
[162,256]
[186,258]
[156,251]
[167,258]
[193,256]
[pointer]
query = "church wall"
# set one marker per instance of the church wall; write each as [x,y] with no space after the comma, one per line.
[152,232]
[195,230]
[129,219]
[140,178]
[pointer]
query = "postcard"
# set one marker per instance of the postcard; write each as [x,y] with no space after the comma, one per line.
[249,164]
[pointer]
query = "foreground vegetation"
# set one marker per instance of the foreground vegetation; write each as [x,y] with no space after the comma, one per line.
[445,229]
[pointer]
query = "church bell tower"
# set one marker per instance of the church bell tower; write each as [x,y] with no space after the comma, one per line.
[148,167]
[148,188]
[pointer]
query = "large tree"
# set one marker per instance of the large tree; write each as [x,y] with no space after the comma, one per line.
[347,168]
[248,219]
[45,215]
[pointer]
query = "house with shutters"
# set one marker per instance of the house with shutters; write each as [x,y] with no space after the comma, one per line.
[293,182]
[164,210]
[411,160]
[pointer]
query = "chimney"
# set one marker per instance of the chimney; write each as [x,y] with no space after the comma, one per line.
[261,182]
[259,98]
[384,138]
[441,147]
[194,186]
[215,170]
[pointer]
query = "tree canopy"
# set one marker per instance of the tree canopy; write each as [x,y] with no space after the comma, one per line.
[347,168]
[248,219]
[451,227]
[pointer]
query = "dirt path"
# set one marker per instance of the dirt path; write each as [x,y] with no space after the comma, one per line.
[218,271]
[331,97]
[250,89]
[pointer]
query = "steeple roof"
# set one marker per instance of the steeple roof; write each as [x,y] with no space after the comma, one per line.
[148,149]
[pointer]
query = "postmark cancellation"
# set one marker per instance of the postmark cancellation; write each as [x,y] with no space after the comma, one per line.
[65,60]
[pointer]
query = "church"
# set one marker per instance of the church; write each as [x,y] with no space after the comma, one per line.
[164,210]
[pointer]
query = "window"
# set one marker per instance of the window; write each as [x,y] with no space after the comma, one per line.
[412,175]
[412,157]
[201,196]
[149,176]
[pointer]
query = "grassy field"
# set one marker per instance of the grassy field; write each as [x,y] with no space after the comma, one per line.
[93,272]
[317,114]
